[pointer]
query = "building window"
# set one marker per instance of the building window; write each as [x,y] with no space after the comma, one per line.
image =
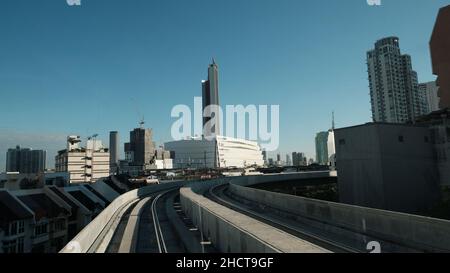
[21,227]
[427,140]
[41,229]
[60,224]
[20,245]
[13,228]
[341,141]
[401,139]
[9,246]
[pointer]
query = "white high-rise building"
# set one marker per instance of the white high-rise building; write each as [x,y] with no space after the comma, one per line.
[430,92]
[393,84]
[84,165]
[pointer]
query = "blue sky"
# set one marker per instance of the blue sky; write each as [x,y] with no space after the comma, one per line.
[100,66]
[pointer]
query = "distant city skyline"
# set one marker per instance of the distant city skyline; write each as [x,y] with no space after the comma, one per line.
[80,70]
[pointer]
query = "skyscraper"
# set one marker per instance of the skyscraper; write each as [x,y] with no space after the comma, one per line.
[288,160]
[25,160]
[322,148]
[393,83]
[210,94]
[299,159]
[113,150]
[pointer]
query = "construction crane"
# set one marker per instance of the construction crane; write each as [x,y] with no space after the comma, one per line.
[142,123]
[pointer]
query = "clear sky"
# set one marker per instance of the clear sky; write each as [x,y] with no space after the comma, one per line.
[100,66]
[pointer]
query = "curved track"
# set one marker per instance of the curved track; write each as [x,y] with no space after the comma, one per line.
[156,222]
[217,194]
[146,226]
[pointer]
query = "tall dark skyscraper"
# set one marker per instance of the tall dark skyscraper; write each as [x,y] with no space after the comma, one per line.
[210,94]
[113,149]
[25,160]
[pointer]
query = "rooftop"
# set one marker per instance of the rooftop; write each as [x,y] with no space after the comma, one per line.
[11,209]
[42,206]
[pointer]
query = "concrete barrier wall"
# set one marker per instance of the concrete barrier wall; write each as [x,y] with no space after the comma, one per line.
[418,232]
[89,236]
[233,232]
[283,177]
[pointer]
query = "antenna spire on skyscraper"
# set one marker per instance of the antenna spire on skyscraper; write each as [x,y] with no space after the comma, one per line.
[332,121]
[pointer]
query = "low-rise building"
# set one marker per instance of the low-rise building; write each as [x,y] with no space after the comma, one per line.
[14,181]
[220,152]
[43,220]
[16,224]
[387,166]
[438,123]
[51,216]
[84,164]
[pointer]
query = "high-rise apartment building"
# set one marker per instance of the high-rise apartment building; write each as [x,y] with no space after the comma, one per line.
[429,91]
[393,84]
[299,159]
[25,160]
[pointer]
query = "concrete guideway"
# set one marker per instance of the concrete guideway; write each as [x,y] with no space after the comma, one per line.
[352,226]
[233,232]
[122,227]
[147,229]
[216,194]
[225,215]
[97,235]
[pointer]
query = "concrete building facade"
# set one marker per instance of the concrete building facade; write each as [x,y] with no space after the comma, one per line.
[84,164]
[429,91]
[387,166]
[141,148]
[440,55]
[438,123]
[221,152]
[141,154]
